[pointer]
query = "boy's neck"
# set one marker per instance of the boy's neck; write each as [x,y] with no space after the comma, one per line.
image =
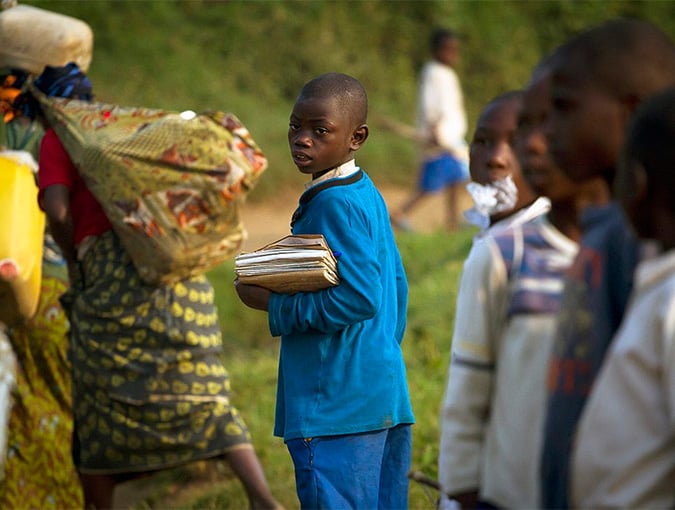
[592,193]
[565,217]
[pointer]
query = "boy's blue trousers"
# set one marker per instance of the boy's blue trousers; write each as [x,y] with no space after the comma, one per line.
[364,471]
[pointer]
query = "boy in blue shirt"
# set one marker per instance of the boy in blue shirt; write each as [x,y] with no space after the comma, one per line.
[343,407]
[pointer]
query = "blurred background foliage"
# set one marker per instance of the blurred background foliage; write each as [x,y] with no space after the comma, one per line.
[252,57]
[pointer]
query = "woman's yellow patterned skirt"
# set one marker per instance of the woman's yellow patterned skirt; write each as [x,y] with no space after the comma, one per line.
[150,390]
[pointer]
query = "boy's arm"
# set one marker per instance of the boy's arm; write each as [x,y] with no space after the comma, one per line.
[358,296]
[479,316]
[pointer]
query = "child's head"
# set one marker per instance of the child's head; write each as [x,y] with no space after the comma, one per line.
[645,182]
[328,123]
[444,45]
[599,77]
[531,145]
[492,156]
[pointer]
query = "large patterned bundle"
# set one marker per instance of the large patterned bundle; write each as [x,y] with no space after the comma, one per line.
[171,184]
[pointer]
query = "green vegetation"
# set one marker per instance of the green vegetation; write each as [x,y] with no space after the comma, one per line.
[251,57]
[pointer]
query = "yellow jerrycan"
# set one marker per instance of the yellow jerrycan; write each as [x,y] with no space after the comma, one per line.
[21,238]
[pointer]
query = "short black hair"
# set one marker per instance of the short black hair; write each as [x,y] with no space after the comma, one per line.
[626,56]
[346,90]
[439,36]
[505,97]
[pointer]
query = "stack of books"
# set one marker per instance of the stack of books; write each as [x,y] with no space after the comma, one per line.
[295,263]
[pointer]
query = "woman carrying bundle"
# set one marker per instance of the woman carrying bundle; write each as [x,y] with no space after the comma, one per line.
[149,387]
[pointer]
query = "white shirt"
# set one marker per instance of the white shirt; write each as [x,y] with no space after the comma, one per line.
[344,170]
[624,450]
[441,108]
[493,411]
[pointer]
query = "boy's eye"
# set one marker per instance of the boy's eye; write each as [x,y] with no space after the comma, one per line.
[293,126]
[320,130]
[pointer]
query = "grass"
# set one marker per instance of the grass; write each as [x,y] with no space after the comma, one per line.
[433,263]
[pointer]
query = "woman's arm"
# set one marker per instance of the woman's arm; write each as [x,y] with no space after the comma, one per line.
[56,204]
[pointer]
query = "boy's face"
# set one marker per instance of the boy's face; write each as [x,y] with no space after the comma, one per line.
[321,136]
[539,170]
[448,52]
[491,156]
[585,128]
[491,153]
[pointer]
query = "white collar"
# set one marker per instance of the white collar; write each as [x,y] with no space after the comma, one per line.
[344,170]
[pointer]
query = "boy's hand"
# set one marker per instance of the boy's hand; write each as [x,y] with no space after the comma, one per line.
[252,295]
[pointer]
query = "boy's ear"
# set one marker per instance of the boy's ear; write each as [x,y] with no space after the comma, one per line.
[359,136]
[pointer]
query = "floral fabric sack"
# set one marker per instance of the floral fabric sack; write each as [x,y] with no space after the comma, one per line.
[171,184]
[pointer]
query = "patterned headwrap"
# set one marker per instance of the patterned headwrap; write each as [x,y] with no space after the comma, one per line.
[66,81]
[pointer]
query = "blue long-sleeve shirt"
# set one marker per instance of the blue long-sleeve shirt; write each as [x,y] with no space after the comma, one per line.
[341,369]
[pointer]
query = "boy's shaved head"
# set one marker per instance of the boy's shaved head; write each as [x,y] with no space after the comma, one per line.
[515,96]
[630,58]
[346,90]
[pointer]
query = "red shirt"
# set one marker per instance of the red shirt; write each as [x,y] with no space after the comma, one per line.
[56,167]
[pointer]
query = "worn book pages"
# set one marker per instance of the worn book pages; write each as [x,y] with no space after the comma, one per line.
[300,263]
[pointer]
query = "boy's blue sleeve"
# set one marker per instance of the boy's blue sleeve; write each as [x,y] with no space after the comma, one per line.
[359,294]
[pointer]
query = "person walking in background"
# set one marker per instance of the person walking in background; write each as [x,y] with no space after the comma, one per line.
[39,469]
[598,78]
[493,408]
[624,451]
[343,407]
[150,390]
[441,125]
